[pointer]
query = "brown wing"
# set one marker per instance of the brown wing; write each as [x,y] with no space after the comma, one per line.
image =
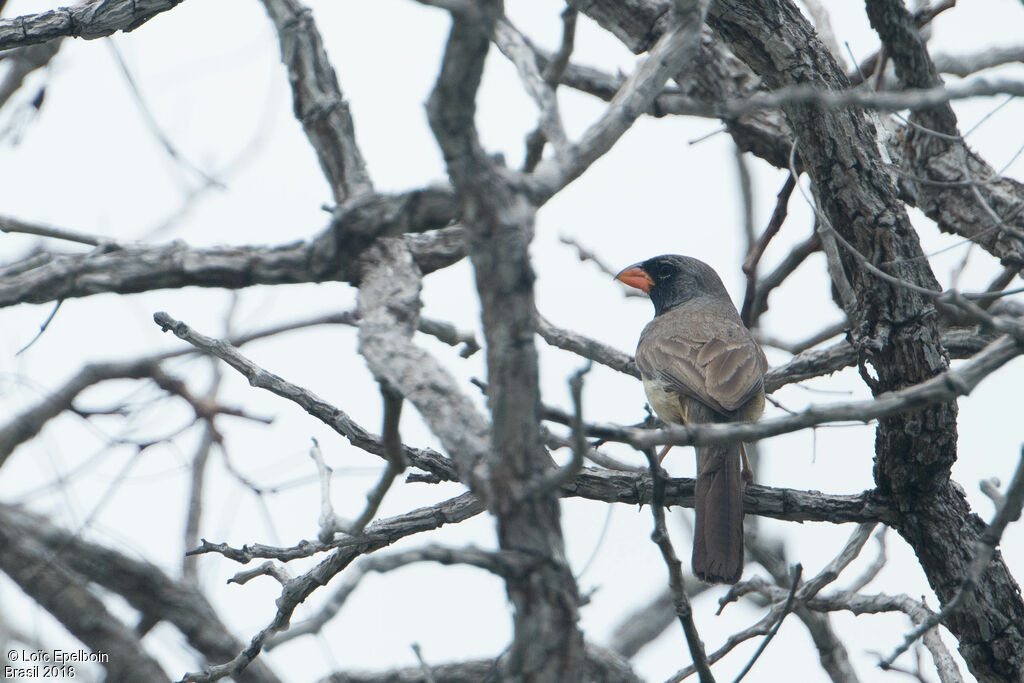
[703,353]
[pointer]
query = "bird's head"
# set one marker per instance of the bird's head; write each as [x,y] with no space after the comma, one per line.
[671,280]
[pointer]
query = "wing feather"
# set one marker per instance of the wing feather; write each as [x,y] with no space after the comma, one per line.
[703,353]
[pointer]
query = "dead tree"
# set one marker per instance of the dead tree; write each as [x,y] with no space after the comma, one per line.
[776,83]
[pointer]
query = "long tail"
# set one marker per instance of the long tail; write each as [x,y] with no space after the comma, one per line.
[718,536]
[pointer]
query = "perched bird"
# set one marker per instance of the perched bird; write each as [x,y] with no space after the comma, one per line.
[699,363]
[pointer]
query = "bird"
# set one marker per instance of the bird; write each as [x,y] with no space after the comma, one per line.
[699,363]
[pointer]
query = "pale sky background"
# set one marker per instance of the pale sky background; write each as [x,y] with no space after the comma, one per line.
[210,73]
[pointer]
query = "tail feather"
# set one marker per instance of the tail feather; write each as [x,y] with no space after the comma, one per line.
[718,534]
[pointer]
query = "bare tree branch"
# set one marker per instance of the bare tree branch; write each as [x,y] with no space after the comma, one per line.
[806,592]
[586,347]
[29,423]
[511,42]
[379,534]
[600,665]
[395,454]
[331,256]
[552,75]
[65,595]
[10,224]
[501,563]
[985,548]
[143,585]
[314,405]
[966,64]
[673,50]
[89,20]
[914,450]
[389,306]
[748,313]
[317,100]
[944,387]
[547,644]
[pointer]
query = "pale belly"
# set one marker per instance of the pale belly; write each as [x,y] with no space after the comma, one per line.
[664,402]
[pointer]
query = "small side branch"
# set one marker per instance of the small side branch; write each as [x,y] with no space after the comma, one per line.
[318,101]
[748,313]
[676,585]
[334,418]
[985,547]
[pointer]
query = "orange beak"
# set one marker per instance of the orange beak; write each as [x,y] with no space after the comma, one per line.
[635,276]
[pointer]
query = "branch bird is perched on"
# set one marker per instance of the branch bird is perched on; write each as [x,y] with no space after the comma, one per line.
[699,363]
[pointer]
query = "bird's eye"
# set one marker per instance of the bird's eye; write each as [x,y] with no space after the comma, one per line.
[665,272]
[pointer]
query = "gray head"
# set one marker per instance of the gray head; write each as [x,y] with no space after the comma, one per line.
[671,280]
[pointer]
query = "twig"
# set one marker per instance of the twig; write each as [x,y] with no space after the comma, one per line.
[378,535]
[990,487]
[329,521]
[42,328]
[428,675]
[673,50]
[552,76]
[154,126]
[746,194]
[498,563]
[984,549]
[802,345]
[786,267]
[396,459]
[27,424]
[334,418]
[748,314]
[268,568]
[584,254]
[806,592]
[9,224]
[193,515]
[830,237]
[786,607]
[563,475]
[586,347]
[676,584]
[827,237]
[876,565]
[512,44]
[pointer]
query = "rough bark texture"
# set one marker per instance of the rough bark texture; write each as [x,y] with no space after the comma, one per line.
[949,182]
[317,100]
[548,646]
[330,256]
[896,330]
[95,19]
